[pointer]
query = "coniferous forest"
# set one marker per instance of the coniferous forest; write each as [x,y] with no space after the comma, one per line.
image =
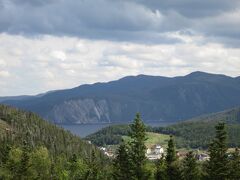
[32,148]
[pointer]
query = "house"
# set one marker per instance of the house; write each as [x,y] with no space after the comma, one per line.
[102,149]
[202,157]
[158,149]
[154,152]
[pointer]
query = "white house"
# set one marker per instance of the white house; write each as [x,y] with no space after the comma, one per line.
[155,152]
[158,149]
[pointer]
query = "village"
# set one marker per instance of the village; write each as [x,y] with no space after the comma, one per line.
[156,151]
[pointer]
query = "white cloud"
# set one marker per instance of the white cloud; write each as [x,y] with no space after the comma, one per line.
[59,55]
[35,65]
[4,74]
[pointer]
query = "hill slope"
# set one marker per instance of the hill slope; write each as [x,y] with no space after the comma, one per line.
[199,131]
[18,126]
[157,98]
[193,133]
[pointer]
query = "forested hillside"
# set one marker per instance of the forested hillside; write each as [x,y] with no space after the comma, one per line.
[199,131]
[193,133]
[157,98]
[24,136]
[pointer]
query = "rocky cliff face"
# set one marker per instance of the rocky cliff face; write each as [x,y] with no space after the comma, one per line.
[80,111]
[156,98]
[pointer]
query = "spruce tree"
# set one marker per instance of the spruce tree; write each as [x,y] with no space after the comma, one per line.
[24,163]
[173,167]
[138,148]
[4,151]
[218,166]
[94,170]
[122,167]
[235,165]
[161,173]
[190,167]
[171,151]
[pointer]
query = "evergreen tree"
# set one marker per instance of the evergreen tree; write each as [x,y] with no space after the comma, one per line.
[218,167]
[190,167]
[173,167]
[77,168]
[93,172]
[40,163]
[138,148]
[171,151]
[4,151]
[24,162]
[235,165]
[122,167]
[161,173]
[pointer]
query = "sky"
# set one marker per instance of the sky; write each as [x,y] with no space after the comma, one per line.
[57,44]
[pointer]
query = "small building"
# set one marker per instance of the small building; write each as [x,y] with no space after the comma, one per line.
[103,149]
[202,157]
[154,152]
[159,149]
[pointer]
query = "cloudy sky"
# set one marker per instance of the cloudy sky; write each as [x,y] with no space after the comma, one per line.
[56,44]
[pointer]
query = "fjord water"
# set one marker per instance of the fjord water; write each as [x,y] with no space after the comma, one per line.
[83,130]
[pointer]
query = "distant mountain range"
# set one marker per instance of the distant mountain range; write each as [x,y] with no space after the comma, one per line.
[156,98]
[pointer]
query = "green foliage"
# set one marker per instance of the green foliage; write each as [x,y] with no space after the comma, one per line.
[30,128]
[161,169]
[138,148]
[235,165]
[173,166]
[133,156]
[191,170]
[218,166]
[110,135]
[198,132]
[32,148]
[171,152]
[122,165]
[24,163]
[40,163]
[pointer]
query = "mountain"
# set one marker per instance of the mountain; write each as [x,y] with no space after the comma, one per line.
[13,98]
[157,98]
[23,97]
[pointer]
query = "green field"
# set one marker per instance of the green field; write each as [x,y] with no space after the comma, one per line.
[153,138]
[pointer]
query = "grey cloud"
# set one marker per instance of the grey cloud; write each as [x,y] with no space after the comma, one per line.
[192,8]
[120,20]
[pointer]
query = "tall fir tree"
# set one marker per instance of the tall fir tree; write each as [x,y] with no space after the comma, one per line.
[171,151]
[218,166]
[235,165]
[173,167]
[138,148]
[190,167]
[122,167]
[161,173]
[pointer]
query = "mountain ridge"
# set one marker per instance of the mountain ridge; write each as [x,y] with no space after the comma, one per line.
[156,97]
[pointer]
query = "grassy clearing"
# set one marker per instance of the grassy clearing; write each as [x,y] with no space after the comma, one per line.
[153,138]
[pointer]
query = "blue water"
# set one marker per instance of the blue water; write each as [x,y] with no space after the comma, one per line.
[83,130]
